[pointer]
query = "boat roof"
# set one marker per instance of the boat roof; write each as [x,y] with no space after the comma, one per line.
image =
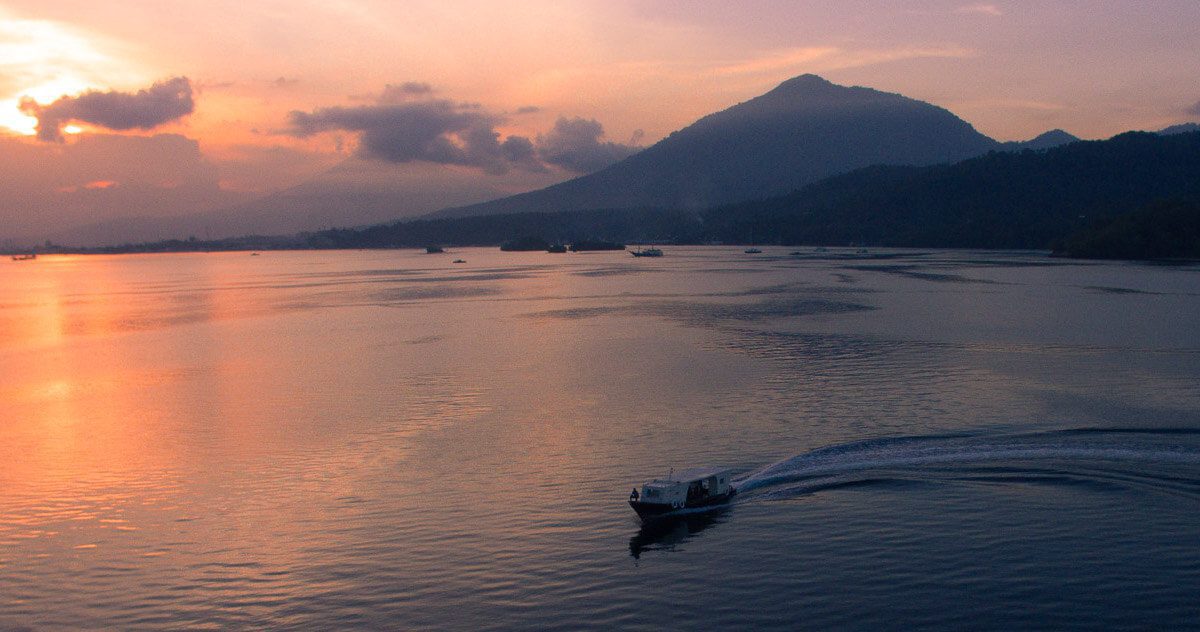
[695,474]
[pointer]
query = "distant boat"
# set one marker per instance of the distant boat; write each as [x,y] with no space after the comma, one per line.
[556,248]
[646,252]
[27,257]
[753,251]
[433,250]
[254,254]
[459,261]
[690,489]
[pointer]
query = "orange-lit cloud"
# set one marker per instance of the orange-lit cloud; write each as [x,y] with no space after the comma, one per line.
[146,109]
[46,59]
[826,58]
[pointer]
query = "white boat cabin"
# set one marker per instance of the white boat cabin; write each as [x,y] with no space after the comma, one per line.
[685,488]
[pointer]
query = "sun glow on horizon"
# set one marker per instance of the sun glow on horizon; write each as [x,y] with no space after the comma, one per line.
[44,60]
[14,119]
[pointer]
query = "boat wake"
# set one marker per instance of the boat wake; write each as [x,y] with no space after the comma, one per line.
[1165,459]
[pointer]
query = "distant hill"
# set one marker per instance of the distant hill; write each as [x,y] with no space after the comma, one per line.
[1163,230]
[616,225]
[804,130]
[1064,198]
[1048,140]
[1182,128]
[1023,199]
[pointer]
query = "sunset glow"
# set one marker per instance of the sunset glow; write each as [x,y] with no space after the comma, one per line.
[758,315]
[636,71]
[44,59]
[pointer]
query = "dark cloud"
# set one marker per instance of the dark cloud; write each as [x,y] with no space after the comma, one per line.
[437,130]
[576,144]
[518,149]
[521,151]
[1195,109]
[528,109]
[405,126]
[404,92]
[161,103]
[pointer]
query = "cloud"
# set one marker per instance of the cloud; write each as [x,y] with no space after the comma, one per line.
[828,58]
[1010,104]
[576,144]
[436,130]
[981,9]
[521,151]
[161,103]
[1195,109]
[528,109]
[446,132]
[404,92]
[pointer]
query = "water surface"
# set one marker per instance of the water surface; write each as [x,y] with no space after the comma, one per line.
[385,439]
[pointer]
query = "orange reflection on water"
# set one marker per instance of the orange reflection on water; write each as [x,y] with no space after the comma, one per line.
[82,400]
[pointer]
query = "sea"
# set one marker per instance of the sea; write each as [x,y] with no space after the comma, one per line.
[389,440]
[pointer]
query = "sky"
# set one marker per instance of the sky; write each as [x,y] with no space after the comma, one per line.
[160,109]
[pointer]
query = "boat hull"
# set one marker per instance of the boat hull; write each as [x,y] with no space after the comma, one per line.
[649,511]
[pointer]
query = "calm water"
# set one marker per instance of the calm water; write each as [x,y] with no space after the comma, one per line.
[389,440]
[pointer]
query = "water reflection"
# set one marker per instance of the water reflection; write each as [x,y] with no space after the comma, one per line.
[332,440]
[664,534]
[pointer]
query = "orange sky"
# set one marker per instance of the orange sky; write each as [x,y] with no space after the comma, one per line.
[640,69]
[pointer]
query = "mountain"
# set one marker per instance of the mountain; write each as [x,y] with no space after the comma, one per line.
[999,200]
[1064,198]
[1047,140]
[804,130]
[1168,229]
[1182,128]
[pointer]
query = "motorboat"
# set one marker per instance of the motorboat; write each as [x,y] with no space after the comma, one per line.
[689,489]
[647,252]
[753,251]
[29,257]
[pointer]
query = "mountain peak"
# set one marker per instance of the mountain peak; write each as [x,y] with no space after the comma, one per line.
[1045,140]
[1056,134]
[803,84]
[803,130]
[807,79]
